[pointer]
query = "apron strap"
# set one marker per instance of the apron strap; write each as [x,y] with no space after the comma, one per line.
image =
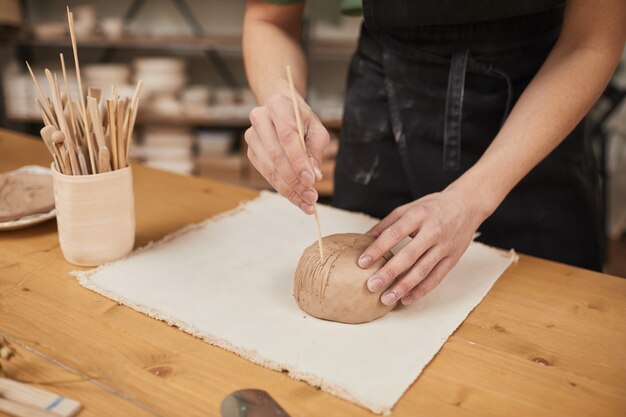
[454,110]
[459,63]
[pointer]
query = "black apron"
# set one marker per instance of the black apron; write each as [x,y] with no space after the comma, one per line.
[424,103]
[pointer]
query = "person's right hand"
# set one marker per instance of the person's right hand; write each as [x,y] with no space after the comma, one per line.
[275,149]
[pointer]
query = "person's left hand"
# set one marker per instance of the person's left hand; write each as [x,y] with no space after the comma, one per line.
[442,226]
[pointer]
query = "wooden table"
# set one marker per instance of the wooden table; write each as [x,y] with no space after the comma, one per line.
[548,340]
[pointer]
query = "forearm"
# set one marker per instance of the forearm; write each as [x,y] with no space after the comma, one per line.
[570,81]
[269,45]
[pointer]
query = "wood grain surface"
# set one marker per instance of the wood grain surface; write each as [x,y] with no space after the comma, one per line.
[548,340]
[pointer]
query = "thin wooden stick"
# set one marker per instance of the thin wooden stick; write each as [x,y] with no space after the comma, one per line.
[95,121]
[73,131]
[104,164]
[112,132]
[91,148]
[301,134]
[66,160]
[46,134]
[44,116]
[38,399]
[13,408]
[42,96]
[81,99]
[56,101]
[134,105]
[119,122]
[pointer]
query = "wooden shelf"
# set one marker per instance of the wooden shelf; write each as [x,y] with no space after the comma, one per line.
[179,43]
[164,120]
[224,43]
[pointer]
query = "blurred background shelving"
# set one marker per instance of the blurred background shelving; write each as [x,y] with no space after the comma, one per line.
[200,41]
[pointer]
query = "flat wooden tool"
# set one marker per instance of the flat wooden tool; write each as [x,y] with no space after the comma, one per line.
[301,134]
[24,400]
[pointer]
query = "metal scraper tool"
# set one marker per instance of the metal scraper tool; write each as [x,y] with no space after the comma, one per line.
[251,403]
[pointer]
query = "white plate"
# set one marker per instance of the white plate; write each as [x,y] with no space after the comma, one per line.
[33,218]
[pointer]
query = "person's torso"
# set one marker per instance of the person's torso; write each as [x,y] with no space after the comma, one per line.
[388,14]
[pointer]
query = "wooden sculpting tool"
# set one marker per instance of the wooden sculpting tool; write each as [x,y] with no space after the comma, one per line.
[96,122]
[104,164]
[301,135]
[24,400]
[44,101]
[58,106]
[46,134]
[76,130]
[70,22]
[111,107]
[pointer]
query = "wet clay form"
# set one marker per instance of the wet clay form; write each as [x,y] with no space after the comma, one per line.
[336,289]
[23,194]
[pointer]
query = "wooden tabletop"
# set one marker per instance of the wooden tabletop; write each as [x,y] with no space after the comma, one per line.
[548,340]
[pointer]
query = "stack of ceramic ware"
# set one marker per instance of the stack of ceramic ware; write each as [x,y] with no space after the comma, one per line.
[86,21]
[216,158]
[195,100]
[170,149]
[19,98]
[215,142]
[163,79]
[103,76]
[112,27]
[228,102]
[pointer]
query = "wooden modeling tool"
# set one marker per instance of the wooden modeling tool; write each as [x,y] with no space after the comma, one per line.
[44,101]
[24,400]
[76,130]
[301,135]
[104,164]
[46,135]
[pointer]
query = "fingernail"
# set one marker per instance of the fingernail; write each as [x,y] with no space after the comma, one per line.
[307,178]
[374,284]
[309,196]
[364,261]
[389,298]
[318,173]
[307,208]
[407,300]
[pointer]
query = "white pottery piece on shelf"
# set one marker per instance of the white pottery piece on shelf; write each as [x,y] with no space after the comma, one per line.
[159,64]
[95,216]
[112,27]
[50,30]
[157,83]
[224,96]
[167,105]
[86,21]
[114,72]
[196,95]
[215,142]
[167,137]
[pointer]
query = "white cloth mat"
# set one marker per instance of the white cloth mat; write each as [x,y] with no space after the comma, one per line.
[229,280]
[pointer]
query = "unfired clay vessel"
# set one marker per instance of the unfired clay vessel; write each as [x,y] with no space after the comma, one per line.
[95,216]
[336,289]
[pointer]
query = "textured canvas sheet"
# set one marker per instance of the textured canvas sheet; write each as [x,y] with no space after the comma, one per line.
[229,281]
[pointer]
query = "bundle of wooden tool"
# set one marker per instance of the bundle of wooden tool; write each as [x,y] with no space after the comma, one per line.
[87,135]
